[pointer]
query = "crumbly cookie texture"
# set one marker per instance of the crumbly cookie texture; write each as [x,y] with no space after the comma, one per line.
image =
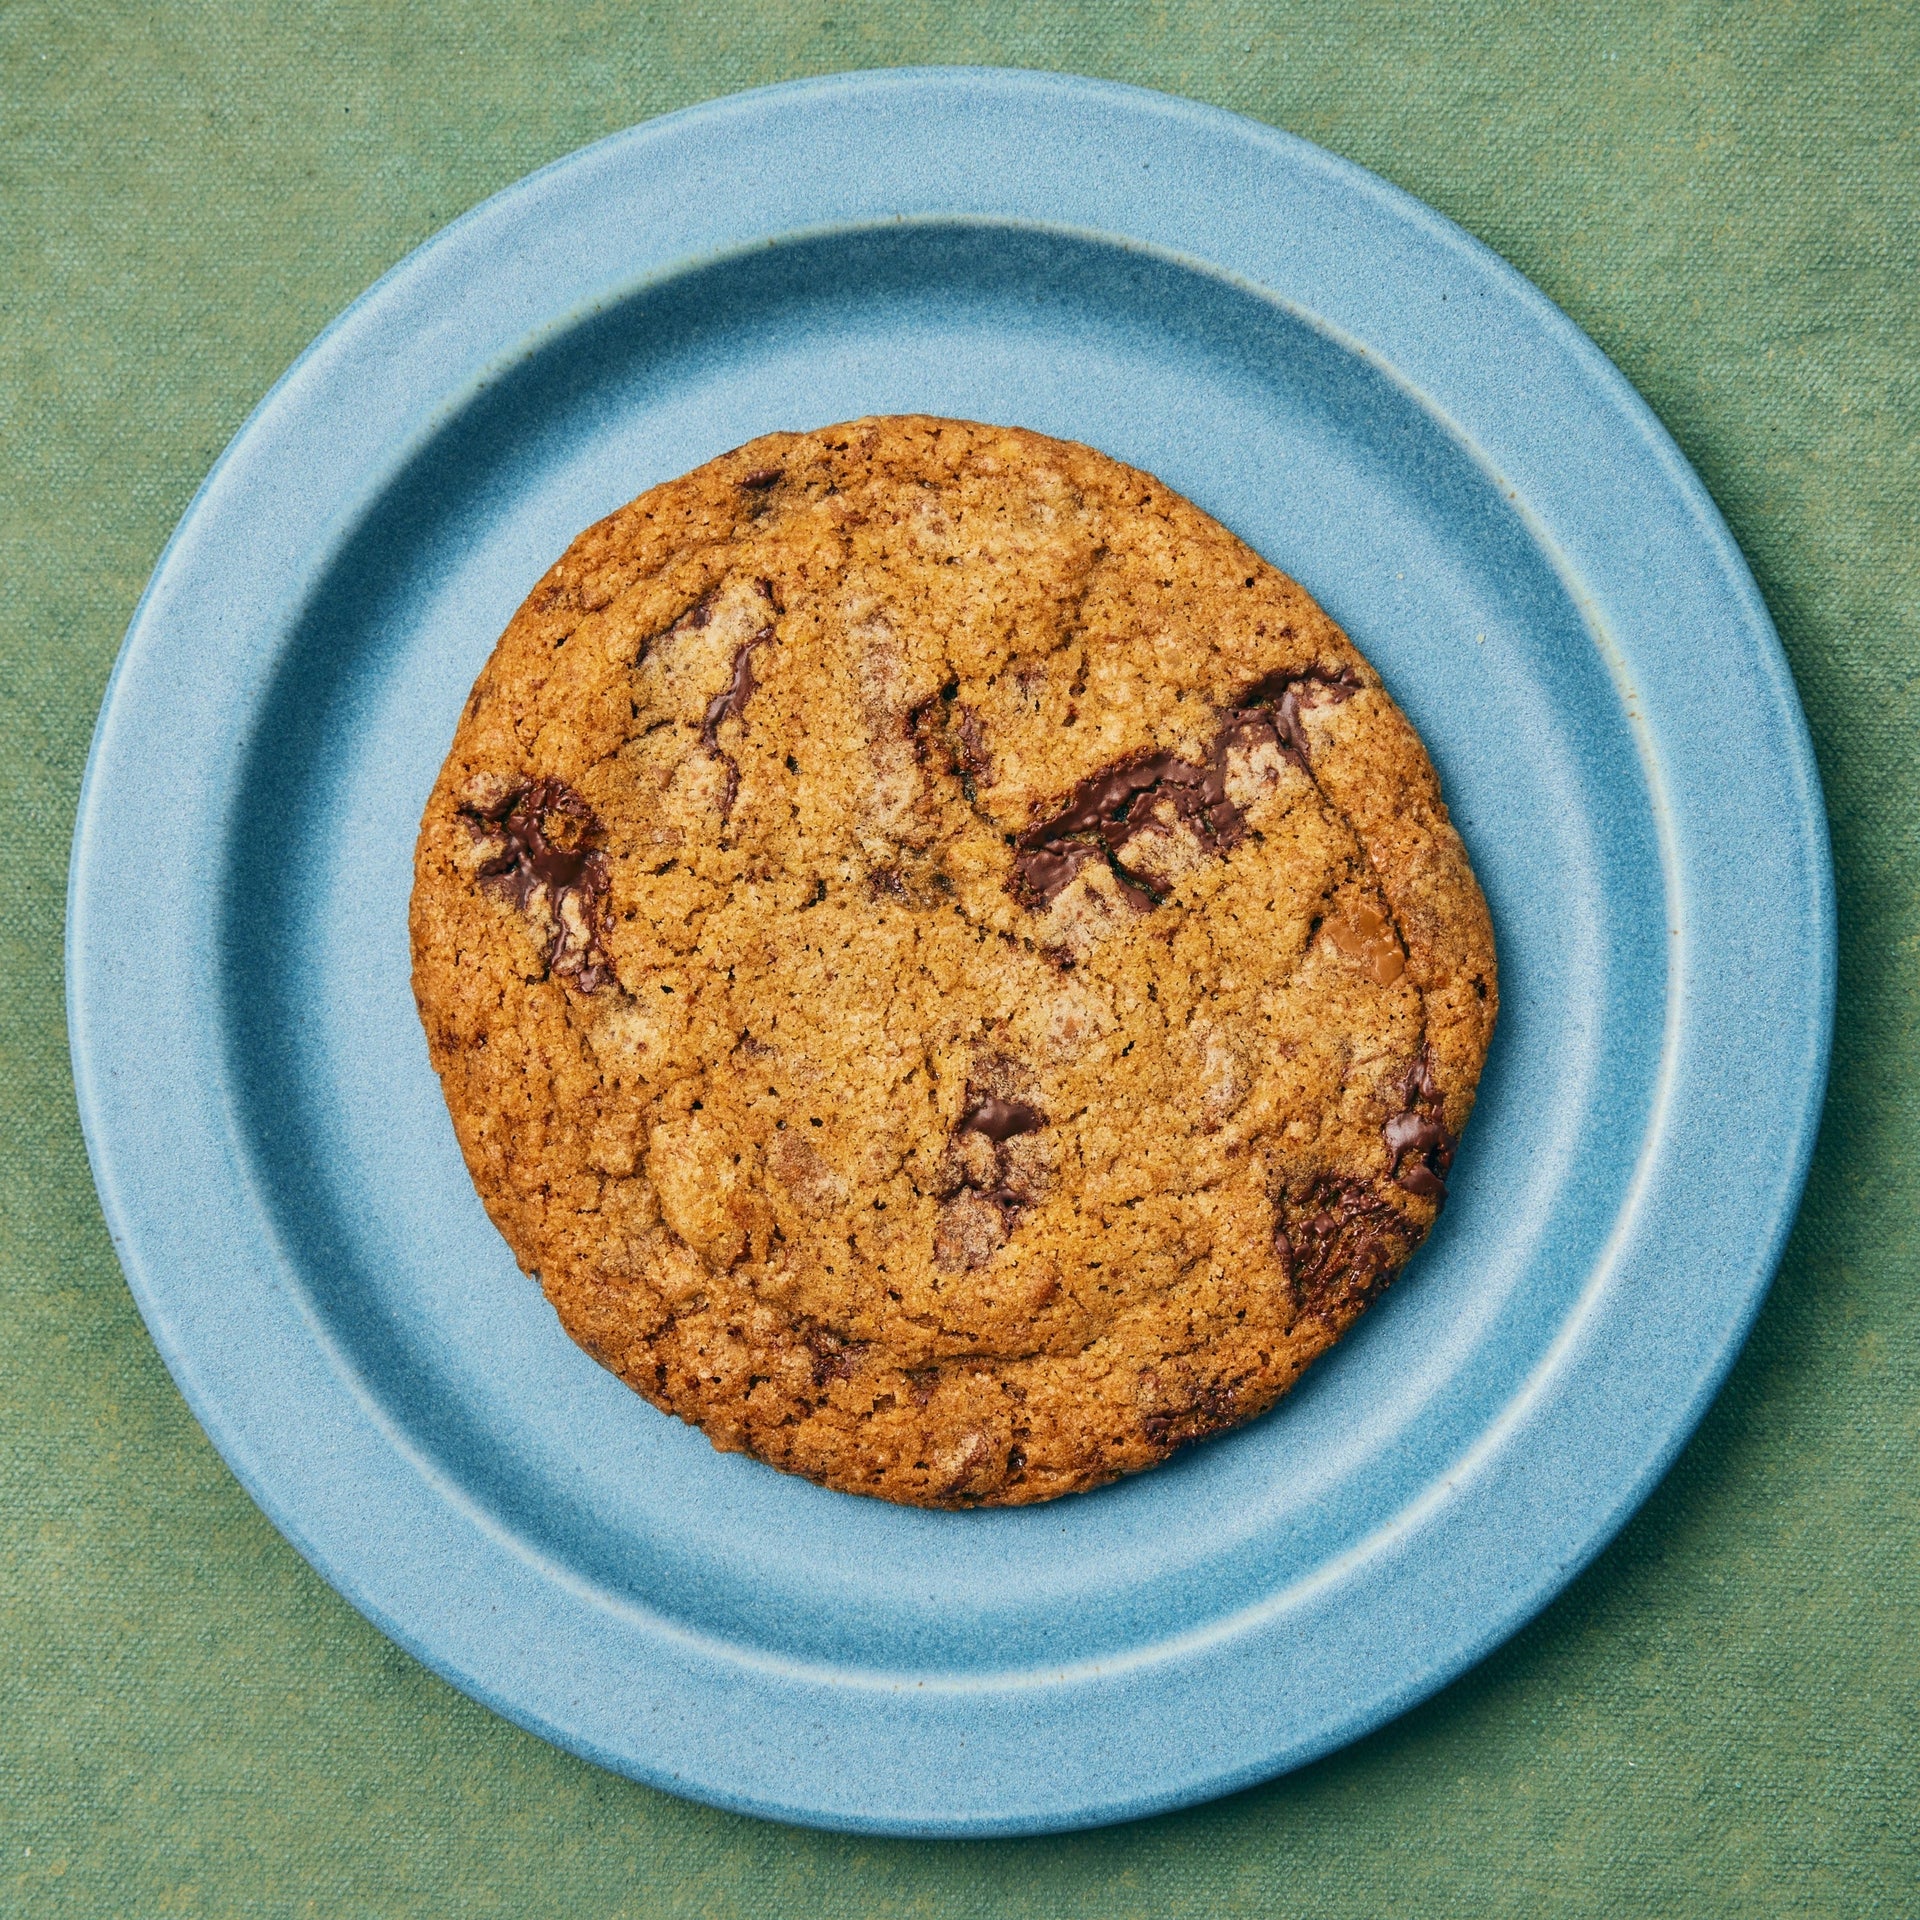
[950,969]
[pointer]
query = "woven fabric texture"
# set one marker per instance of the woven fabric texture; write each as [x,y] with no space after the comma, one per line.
[1718,1718]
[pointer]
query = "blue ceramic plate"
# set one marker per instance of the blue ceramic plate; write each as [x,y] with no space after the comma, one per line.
[1384,410]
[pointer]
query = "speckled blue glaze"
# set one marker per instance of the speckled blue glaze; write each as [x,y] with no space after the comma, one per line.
[1382,408]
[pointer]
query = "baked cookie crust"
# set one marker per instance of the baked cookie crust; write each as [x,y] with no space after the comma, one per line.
[952,971]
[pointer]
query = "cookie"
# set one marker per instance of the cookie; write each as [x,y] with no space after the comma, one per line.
[952,971]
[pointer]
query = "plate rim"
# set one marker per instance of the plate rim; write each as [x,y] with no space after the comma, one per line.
[86,951]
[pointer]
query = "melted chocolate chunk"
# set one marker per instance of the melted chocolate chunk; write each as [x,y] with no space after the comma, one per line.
[1419,1148]
[1419,1083]
[1106,805]
[544,855]
[1107,809]
[835,1357]
[1001,1119]
[1042,874]
[1426,1139]
[759,479]
[1340,1245]
[1280,693]
[1210,1410]
[985,1183]
[730,704]
[958,731]
[970,752]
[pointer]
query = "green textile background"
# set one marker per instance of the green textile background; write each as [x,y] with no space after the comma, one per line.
[1719,1717]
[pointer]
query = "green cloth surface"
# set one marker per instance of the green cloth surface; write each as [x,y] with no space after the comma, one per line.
[1719,1716]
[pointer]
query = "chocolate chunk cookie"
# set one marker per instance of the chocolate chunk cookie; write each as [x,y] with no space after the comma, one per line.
[950,969]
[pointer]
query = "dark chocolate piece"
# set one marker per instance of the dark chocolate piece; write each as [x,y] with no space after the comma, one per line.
[760,478]
[1105,810]
[1419,1083]
[1340,1245]
[1042,874]
[1426,1139]
[730,704]
[970,755]
[983,1187]
[1280,693]
[835,1357]
[544,836]
[961,733]
[1211,1410]
[1419,1148]
[1105,805]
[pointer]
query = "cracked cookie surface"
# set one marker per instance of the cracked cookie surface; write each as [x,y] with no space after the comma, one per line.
[950,969]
